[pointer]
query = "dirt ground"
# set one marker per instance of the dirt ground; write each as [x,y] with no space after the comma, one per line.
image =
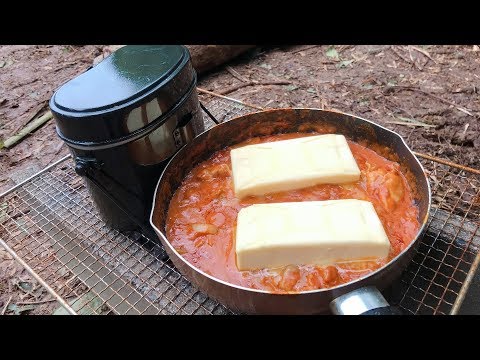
[428,94]
[435,87]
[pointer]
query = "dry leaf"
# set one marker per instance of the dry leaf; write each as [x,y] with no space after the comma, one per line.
[332,53]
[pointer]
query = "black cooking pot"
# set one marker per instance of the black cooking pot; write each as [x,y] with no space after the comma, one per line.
[123,120]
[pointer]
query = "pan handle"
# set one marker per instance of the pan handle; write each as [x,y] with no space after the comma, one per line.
[363,301]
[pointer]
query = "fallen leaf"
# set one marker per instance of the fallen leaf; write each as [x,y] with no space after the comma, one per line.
[2,64]
[291,87]
[332,53]
[311,91]
[344,63]
[25,285]
[87,304]
[20,309]
[34,95]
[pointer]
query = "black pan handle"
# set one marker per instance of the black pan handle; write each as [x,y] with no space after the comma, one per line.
[363,301]
[387,310]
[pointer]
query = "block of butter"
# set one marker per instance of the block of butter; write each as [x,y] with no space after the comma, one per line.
[292,164]
[311,232]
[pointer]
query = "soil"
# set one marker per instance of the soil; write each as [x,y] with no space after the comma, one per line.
[436,86]
[428,94]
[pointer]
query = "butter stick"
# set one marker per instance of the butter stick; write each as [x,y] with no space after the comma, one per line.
[310,232]
[292,164]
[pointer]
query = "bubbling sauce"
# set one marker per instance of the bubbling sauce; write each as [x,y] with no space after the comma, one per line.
[203,212]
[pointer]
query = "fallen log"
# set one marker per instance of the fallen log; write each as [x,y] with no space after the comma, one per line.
[207,57]
[204,57]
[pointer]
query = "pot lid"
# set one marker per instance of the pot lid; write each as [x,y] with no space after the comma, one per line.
[135,86]
[125,75]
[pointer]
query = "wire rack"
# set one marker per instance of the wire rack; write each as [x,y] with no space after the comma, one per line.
[51,226]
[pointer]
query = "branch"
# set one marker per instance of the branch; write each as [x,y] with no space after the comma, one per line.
[31,127]
[240,86]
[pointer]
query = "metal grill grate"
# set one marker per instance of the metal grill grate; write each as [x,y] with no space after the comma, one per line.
[433,281]
[52,224]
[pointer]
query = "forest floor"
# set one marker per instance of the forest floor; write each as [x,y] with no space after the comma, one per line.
[428,94]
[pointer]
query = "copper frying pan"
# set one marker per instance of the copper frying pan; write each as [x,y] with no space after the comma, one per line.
[354,297]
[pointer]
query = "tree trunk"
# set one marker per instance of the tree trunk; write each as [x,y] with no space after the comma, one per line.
[207,57]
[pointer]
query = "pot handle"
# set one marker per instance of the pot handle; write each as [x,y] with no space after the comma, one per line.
[183,133]
[209,114]
[367,300]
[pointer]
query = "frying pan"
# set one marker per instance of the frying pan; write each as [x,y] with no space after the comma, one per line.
[355,297]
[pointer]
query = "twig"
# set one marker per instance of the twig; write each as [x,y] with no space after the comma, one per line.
[38,109]
[6,305]
[343,48]
[376,50]
[409,123]
[415,63]
[305,48]
[396,106]
[412,120]
[472,89]
[235,74]
[466,111]
[446,162]
[251,83]
[204,91]
[59,147]
[249,92]
[34,125]
[424,52]
[44,301]
[400,55]
[27,292]
[410,54]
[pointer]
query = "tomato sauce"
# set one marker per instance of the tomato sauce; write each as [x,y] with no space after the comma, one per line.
[203,211]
